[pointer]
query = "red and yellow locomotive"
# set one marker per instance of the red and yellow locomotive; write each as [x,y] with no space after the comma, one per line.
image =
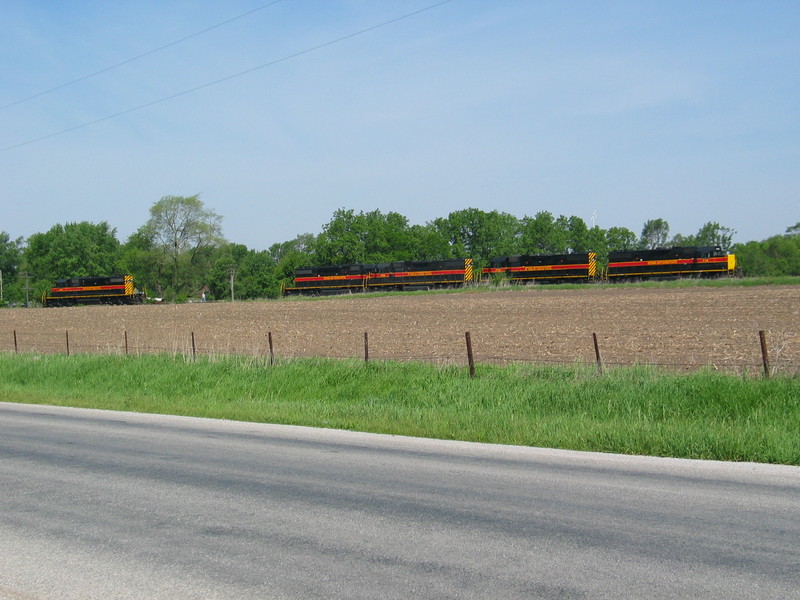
[117,289]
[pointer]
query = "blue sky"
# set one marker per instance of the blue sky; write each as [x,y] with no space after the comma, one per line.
[617,112]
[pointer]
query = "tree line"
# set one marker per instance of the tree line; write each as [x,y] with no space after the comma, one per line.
[181,253]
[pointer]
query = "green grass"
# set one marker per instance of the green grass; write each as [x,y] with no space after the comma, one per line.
[627,410]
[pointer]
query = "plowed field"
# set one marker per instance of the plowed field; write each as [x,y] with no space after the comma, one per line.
[681,327]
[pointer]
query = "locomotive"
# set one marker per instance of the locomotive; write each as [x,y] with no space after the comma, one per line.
[541,268]
[670,263]
[405,275]
[623,265]
[117,289]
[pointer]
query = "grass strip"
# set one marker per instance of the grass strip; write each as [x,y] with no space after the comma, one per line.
[703,415]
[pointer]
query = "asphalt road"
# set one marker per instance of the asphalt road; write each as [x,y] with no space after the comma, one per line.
[98,504]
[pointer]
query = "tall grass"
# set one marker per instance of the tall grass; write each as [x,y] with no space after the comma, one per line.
[627,410]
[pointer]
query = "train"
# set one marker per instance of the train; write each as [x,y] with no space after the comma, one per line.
[116,289]
[577,267]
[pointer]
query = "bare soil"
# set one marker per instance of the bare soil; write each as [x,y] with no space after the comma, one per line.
[681,327]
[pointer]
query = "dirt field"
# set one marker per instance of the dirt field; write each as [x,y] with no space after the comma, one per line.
[685,327]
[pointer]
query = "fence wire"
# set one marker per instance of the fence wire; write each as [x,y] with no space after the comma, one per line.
[190,345]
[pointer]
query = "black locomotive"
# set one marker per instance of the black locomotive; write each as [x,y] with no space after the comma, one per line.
[117,289]
[540,268]
[670,263]
[394,276]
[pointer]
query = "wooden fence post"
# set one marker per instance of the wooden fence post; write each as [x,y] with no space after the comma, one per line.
[470,357]
[67,332]
[597,355]
[271,353]
[194,349]
[16,346]
[126,342]
[764,354]
[366,347]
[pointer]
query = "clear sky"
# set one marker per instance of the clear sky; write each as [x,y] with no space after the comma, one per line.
[616,112]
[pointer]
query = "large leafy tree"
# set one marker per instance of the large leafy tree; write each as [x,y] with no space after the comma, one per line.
[73,250]
[478,234]
[428,243]
[710,234]
[620,238]
[655,234]
[372,237]
[543,234]
[186,233]
[69,250]
[578,235]
[598,242]
[342,239]
[10,256]
[141,258]
[387,237]
[242,274]
[302,244]
[777,255]
[290,255]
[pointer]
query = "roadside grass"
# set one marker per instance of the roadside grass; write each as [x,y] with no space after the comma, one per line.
[704,415]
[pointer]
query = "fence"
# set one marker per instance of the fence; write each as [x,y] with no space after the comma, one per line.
[762,360]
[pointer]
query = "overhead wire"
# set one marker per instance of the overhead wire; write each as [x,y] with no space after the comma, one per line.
[228,77]
[138,56]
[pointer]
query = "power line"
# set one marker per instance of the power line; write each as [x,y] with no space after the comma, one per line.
[227,78]
[138,56]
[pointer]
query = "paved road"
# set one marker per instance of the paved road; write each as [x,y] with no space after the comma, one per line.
[100,504]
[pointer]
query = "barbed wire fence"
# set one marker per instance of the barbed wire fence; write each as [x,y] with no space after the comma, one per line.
[766,357]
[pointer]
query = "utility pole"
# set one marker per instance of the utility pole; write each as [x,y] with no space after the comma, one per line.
[27,288]
[231,272]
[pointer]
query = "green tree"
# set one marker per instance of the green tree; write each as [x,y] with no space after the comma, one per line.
[714,234]
[578,239]
[141,258]
[655,234]
[72,250]
[186,233]
[290,255]
[543,234]
[342,239]
[387,237]
[598,243]
[429,243]
[10,257]
[710,234]
[303,244]
[253,274]
[478,234]
[371,237]
[620,238]
[777,255]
